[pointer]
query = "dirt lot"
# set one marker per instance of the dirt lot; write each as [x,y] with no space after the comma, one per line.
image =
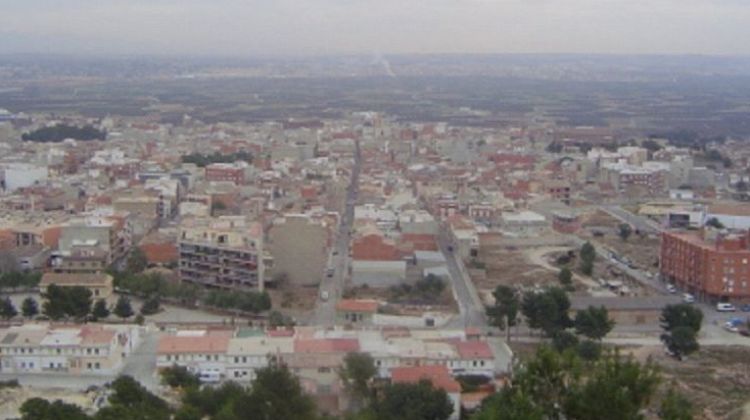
[444,303]
[642,250]
[716,379]
[11,399]
[290,299]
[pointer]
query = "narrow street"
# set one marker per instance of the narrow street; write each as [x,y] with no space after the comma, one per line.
[331,288]
[469,304]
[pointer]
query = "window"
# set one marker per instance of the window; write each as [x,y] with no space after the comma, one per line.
[96,365]
[88,366]
[96,351]
[324,369]
[169,357]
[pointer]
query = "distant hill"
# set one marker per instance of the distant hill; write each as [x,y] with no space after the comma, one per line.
[61,132]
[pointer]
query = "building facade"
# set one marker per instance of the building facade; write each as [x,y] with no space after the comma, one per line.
[224,252]
[712,265]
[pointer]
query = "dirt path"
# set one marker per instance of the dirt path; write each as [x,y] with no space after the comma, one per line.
[537,257]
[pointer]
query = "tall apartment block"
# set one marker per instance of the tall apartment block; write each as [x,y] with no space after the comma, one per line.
[711,264]
[223,252]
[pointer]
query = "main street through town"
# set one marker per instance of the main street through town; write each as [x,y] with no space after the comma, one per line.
[332,286]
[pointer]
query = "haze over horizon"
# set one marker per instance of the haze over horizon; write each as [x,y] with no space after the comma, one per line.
[333,27]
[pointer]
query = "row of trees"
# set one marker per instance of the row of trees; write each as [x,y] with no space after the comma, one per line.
[74,303]
[17,279]
[202,160]
[60,132]
[153,285]
[561,385]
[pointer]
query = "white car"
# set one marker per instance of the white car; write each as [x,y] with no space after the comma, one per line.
[688,298]
[324,295]
[729,326]
[671,288]
[725,307]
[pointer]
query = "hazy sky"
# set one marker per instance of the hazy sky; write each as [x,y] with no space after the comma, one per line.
[249,27]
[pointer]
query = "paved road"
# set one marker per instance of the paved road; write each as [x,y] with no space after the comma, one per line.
[641,223]
[469,304]
[636,274]
[325,309]
[141,363]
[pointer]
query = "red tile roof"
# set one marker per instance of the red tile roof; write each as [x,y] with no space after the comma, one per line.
[357,305]
[438,375]
[211,342]
[474,350]
[326,345]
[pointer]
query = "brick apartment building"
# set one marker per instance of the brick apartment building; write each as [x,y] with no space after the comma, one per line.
[712,265]
[226,172]
[224,252]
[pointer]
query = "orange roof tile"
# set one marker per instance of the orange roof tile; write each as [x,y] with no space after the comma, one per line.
[213,342]
[474,350]
[438,375]
[357,305]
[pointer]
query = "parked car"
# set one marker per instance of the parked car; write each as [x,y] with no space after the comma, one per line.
[671,288]
[324,295]
[688,298]
[731,327]
[725,307]
[745,307]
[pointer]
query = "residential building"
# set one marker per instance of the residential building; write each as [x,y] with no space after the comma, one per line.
[101,285]
[713,265]
[223,252]
[71,349]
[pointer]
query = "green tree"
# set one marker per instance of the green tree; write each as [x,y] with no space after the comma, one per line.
[547,310]
[7,310]
[356,374]
[675,406]
[588,255]
[29,307]
[179,377]
[586,267]
[625,231]
[617,389]
[100,310]
[504,313]
[123,309]
[151,306]
[137,261]
[130,400]
[565,276]
[588,252]
[64,302]
[681,315]
[589,350]
[564,340]
[681,341]
[547,379]
[509,404]
[276,394]
[413,401]
[41,409]
[593,322]
[714,223]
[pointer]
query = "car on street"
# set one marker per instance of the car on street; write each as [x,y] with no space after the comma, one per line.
[324,295]
[671,288]
[745,307]
[725,307]
[688,298]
